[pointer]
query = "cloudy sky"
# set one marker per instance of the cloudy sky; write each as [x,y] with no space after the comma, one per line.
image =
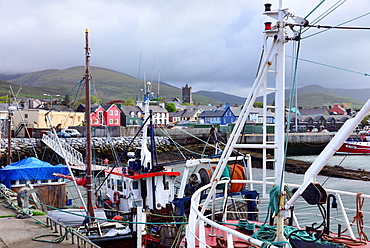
[211,45]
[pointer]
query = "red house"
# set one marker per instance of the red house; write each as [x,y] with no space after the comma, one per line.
[338,110]
[106,115]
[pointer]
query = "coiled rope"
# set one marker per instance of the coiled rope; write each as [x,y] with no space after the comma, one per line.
[58,239]
[359,217]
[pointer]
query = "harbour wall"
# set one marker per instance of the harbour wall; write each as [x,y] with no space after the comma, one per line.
[298,143]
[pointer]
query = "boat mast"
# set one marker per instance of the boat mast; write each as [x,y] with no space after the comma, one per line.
[90,208]
[280,118]
[145,153]
[9,130]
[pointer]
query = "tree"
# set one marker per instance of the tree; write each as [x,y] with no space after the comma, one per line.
[171,107]
[4,99]
[94,100]
[65,101]
[258,104]
[130,102]
[365,121]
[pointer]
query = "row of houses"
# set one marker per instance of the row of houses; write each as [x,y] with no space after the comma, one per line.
[119,115]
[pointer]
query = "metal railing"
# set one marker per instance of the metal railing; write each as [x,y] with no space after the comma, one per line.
[64,150]
[75,237]
[197,220]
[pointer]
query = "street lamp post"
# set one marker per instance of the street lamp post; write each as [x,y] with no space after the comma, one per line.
[10,115]
[51,100]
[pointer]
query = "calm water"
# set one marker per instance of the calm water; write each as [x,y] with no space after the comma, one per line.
[346,161]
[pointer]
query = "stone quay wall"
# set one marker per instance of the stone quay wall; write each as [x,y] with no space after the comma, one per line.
[299,143]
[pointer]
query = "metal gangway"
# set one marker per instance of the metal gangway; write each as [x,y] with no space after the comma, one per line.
[63,149]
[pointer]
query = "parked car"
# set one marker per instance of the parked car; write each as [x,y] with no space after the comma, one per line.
[68,133]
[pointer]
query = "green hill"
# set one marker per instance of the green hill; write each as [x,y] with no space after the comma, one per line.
[22,91]
[317,99]
[223,97]
[107,84]
[112,85]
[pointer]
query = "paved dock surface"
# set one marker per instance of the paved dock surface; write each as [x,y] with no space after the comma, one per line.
[18,233]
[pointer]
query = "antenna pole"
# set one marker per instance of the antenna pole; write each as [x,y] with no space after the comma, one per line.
[159,82]
[9,158]
[90,208]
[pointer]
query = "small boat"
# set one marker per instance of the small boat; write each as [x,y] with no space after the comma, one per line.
[216,220]
[33,173]
[356,146]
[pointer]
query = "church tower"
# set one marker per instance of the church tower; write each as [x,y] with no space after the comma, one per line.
[187,95]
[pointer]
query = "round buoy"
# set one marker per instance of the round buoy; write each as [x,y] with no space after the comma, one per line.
[116,198]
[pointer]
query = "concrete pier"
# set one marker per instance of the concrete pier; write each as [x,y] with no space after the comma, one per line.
[19,232]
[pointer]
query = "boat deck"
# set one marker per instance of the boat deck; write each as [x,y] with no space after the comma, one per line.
[81,169]
[216,237]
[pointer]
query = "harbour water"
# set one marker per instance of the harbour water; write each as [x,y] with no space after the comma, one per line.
[354,162]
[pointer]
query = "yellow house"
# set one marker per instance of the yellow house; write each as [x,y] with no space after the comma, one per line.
[35,118]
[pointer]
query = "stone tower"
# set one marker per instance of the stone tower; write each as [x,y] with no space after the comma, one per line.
[187,95]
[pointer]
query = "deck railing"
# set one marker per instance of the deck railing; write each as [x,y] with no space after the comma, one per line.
[196,233]
[75,237]
[64,150]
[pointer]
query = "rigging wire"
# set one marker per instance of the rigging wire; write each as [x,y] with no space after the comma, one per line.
[335,67]
[337,26]
[22,117]
[113,149]
[292,92]
[326,13]
[292,97]
[314,9]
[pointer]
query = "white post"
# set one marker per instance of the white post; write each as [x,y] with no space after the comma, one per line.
[249,175]
[280,121]
[139,228]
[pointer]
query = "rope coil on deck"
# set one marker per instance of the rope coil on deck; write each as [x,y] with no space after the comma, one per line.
[58,239]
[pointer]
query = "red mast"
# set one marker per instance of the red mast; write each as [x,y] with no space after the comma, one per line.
[88,129]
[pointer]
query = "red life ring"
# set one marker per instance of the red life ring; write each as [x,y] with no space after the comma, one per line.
[116,197]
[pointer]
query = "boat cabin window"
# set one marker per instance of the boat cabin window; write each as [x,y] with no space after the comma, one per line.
[135,185]
[119,185]
[112,183]
[166,185]
[108,183]
[124,184]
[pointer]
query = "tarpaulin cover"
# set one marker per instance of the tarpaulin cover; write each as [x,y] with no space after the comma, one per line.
[30,169]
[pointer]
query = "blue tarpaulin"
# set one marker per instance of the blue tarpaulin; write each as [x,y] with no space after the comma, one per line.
[30,169]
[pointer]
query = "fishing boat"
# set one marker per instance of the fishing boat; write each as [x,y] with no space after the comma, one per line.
[280,223]
[32,173]
[145,191]
[353,146]
[90,221]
